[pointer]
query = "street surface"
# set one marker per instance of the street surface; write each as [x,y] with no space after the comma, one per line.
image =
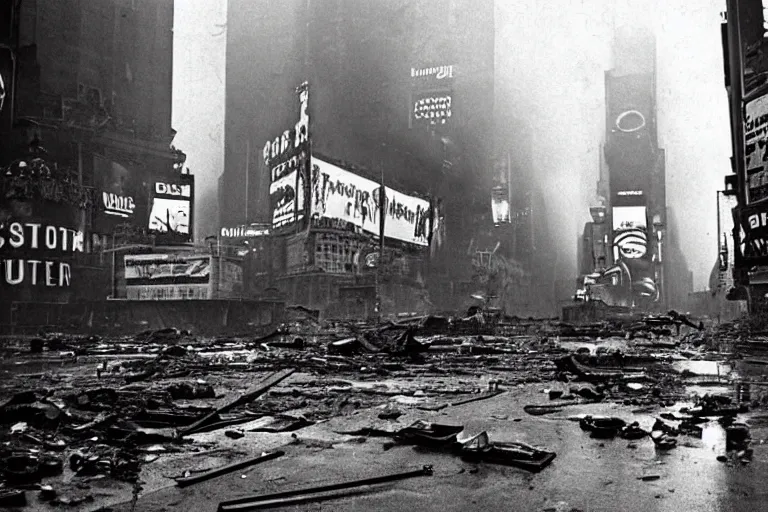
[333,432]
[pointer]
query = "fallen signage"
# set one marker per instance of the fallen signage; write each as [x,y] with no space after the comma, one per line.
[229,468]
[260,388]
[312,493]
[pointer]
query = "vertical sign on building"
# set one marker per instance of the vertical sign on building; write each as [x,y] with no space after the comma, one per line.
[431,96]
[170,216]
[287,159]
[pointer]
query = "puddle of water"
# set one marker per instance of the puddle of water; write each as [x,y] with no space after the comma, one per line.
[703,367]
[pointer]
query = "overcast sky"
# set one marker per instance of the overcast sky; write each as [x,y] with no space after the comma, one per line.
[555,75]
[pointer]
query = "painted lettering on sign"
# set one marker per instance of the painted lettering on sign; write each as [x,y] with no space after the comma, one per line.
[407,218]
[23,236]
[172,189]
[244,231]
[343,195]
[439,72]
[38,236]
[121,206]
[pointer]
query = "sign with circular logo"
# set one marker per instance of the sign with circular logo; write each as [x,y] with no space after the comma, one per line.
[630,121]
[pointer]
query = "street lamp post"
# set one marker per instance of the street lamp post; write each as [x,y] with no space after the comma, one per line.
[658,226]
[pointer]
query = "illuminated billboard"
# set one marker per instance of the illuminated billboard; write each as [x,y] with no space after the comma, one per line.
[38,242]
[433,108]
[167,276]
[630,232]
[171,212]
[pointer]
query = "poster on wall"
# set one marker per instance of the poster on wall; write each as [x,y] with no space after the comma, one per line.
[119,194]
[341,195]
[167,276]
[407,218]
[756,148]
[630,232]
[170,217]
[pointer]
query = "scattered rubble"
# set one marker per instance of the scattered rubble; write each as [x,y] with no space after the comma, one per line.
[100,404]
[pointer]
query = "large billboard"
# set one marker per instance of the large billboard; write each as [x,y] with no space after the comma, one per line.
[633,253]
[344,196]
[353,201]
[121,196]
[167,276]
[630,232]
[756,148]
[172,208]
[38,242]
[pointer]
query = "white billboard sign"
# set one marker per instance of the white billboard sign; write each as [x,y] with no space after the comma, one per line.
[343,195]
[340,194]
[407,218]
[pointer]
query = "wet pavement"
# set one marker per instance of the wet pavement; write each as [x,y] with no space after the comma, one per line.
[340,396]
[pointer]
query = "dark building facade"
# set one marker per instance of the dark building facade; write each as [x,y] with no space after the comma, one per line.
[634,258]
[86,127]
[400,92]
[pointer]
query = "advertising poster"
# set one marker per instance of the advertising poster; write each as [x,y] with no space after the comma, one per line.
[167,276]
[753,228]
[171,212]
[630,232]
[119,194]
[407,218]
[286,199]
[756,148]
[344,196]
